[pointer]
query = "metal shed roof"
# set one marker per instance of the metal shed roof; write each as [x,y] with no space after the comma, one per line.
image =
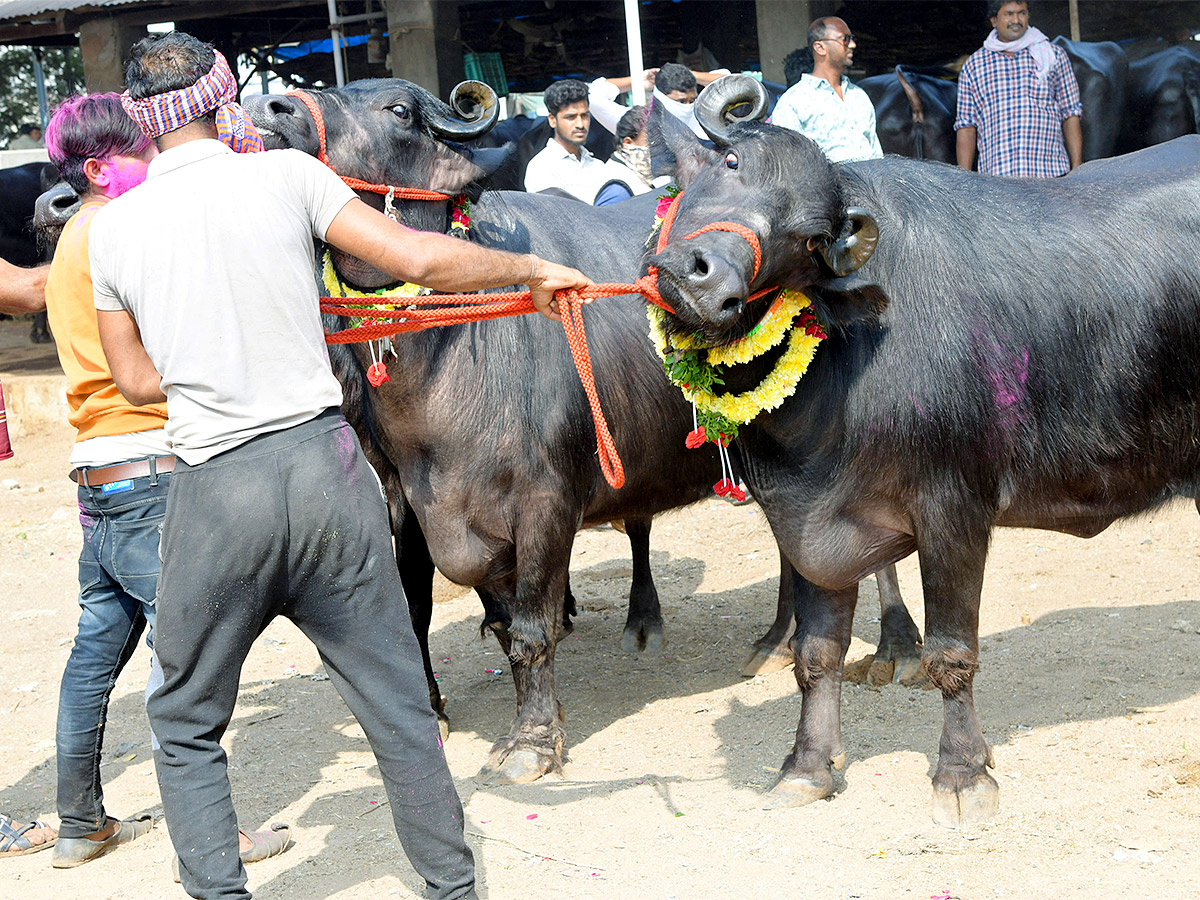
[19,9]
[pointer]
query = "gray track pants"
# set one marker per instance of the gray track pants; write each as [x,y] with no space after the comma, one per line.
[291,523]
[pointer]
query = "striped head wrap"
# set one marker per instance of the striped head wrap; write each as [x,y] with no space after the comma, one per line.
[217,90]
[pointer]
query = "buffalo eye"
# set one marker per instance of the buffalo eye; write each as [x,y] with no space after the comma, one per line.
[400,110]
[731,160]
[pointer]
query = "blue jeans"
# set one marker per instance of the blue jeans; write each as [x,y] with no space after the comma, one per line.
[118,581]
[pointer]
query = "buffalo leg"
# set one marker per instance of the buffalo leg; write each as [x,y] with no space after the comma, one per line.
[952,562]
[643,625]
[416,575]
[534,744]
[39,333]
[898,655]
[824,620]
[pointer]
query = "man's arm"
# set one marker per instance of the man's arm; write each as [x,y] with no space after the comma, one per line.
[22,290]
[132,371]
[445,263]
[964,147]
[704,79]
[1073,138]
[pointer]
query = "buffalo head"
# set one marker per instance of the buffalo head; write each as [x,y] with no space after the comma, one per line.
[780,186]
[389,131]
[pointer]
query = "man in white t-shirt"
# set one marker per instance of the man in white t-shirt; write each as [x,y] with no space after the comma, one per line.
[565,164]
[203,281]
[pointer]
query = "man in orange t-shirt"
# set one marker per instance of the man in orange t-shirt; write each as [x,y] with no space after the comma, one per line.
[122,462]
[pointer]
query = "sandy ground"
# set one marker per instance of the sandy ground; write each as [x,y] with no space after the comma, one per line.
[1088,693]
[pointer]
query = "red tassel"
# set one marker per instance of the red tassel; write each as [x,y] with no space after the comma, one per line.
[737,494]
[695,438]
[723,487]
[377,374]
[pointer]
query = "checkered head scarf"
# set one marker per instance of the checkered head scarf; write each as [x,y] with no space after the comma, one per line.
[160,113]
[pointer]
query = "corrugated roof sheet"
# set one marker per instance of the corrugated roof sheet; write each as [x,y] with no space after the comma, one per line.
[24,9]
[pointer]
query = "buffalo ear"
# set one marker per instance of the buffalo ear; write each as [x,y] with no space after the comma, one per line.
[855,244]
[450,172]
[674,149]
[849,299]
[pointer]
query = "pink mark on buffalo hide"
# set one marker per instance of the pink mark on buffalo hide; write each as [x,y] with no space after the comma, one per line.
[1008,385]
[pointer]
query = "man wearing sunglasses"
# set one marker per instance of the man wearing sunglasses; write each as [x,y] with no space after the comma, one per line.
[826,106]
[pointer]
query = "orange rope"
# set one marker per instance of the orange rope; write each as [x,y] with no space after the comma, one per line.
[435,310]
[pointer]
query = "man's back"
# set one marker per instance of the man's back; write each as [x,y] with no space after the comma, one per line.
[213,256]
[97,408]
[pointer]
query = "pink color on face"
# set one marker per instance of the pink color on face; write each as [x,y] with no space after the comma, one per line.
[120,173]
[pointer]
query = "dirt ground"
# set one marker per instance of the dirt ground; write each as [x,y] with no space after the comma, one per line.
[1088,694]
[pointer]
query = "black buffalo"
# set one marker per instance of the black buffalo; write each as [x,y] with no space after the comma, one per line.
[1163,98]
[1102,71]
[914,113]
[483,436]
[1016,352]
[19,190]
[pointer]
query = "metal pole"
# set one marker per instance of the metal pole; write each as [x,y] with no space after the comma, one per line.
[633,36]
[335,33]
[39,76]
[1073,6]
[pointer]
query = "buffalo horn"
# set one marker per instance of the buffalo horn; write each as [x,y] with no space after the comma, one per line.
[728,101]
[856,243]
[475,110]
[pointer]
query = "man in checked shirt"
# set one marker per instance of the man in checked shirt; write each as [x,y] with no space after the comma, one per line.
[1018,101]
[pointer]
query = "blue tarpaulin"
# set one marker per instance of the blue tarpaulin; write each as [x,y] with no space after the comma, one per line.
[310,47]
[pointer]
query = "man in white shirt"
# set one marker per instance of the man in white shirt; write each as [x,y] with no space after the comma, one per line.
[565,164]
[826,106]
[676,91]
[205,297]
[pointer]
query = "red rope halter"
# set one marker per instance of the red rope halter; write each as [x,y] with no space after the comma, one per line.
[435,310]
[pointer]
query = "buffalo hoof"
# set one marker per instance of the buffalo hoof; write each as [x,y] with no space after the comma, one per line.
[645,638]
[764,660]
[974,802]
[40,337]
[910,673]
[443,727]
[874,671]
[517,767]
[799,790]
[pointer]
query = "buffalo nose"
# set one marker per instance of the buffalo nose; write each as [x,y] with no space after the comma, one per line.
[281,106]
[717,283]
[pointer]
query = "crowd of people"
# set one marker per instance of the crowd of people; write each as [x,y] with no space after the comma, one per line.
[172,392]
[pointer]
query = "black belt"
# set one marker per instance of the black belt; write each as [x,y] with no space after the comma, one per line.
[139,468]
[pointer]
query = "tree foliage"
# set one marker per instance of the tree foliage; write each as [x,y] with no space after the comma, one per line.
[63,68]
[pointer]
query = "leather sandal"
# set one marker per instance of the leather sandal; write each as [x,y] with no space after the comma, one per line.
[71,852]
[15,839]
[263,845]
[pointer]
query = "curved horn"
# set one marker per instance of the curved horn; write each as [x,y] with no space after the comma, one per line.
[728,101]
[476,106]
[856,243]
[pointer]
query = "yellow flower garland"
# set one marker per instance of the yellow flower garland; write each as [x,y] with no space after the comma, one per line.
[336,288]
[782,380]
